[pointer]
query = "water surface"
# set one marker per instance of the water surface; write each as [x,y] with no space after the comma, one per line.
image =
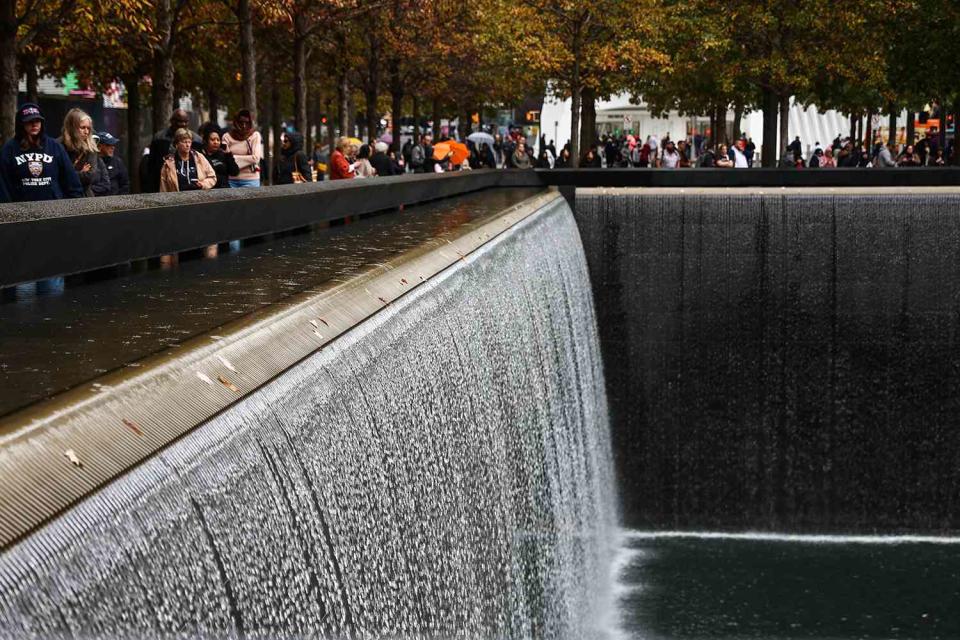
[57,334]
[790,587]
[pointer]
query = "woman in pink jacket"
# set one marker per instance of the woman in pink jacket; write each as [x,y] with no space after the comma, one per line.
[244,142]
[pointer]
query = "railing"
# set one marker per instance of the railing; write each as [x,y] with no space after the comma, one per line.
[45,239]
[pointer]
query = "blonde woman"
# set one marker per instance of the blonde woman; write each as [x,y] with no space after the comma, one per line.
[340,168]
[77,139]
[185,169]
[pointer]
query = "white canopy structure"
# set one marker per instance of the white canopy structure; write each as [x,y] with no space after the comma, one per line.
[619,114]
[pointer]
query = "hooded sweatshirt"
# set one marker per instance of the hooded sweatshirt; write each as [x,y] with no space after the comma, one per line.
[42,172]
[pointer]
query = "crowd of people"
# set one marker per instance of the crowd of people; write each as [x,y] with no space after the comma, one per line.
[83,163]
[626,151]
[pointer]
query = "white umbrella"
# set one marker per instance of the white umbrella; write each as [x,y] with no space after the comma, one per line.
[479,137]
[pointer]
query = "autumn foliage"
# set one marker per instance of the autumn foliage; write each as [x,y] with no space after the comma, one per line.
[351,62]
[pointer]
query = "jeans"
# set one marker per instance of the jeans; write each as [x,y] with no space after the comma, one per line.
[239,184]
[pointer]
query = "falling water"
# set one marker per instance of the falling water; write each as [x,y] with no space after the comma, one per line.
[443,470]
[781,361]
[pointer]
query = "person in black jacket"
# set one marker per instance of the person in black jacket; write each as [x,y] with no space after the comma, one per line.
[429,162]
[292,159]
[116,170]
[407,151]
[34,166]
[222,162]
[381,161]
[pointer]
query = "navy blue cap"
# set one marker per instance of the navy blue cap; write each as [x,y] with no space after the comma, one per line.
[107,138]
[28,112]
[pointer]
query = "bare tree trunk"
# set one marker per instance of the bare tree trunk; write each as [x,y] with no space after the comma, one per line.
[372,115]
[435,115]
[712,117]
[722,123]
[331,126]
[893,125]
[163,70]
[911,126]
[770,109]
[416,118]
[714,126]
[784,123]
[9,79]
[213,106]
[868,134]
[371,91]
[343,103]
[351,115]
[396,102]
[396,112]
[276,125]
[313,133]
[464,128]
[248,58]
[588,118]
[942,131]
[134,116]
[162,98]
[33,78]
[299,78]
[575,96]
[266,120]
[737,121]
[955,158]
[853,128]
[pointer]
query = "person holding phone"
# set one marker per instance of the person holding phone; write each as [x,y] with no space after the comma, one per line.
[77,139]
[185,169]
[243,141]
[222,162]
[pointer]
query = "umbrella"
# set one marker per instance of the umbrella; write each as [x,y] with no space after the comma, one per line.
[440,150]
[480,137]
[460,151]
[386,138]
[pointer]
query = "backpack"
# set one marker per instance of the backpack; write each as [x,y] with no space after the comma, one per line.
[417,156]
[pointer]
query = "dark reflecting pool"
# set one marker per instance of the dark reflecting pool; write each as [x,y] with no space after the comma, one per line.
[789,588]
[59,333]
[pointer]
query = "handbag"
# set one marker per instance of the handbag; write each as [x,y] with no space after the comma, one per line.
[297,176]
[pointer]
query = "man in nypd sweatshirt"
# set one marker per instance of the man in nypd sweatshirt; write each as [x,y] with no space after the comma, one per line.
[34,166]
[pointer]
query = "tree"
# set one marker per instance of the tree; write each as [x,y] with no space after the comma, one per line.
[308,19]
[248,55]
[759,54]
[703,77]
[927,31]
[597,44]
[20,23]
[103,43]
[204,60]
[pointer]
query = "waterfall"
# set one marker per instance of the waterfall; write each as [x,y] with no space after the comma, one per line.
[780,360]
[442,470]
